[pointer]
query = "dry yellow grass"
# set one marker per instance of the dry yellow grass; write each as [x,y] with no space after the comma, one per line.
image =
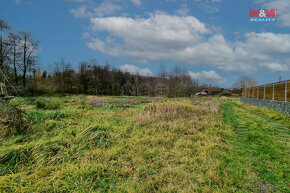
[174,145]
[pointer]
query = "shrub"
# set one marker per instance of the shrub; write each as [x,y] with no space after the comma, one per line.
[13,121]
[40,104]
[47,104]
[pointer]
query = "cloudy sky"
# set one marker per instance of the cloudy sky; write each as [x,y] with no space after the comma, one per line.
[211,40]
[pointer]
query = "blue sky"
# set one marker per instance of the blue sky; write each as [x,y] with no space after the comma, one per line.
[212,40]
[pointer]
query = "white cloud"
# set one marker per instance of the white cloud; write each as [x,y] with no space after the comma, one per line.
[153,38]
[209,8]
[105,8]
[282,6]
[275,67]
[80,12]
[267,50]
[209,77]
[183,10]
[97,44]
[136,70]
[185,39]
[137,2]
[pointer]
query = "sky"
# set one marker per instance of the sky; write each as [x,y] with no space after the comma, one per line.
[210,40]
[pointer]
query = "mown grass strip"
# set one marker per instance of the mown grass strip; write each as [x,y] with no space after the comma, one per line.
[258,148]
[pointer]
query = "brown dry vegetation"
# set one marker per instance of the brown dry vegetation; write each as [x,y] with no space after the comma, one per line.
[170,145]
[183,134]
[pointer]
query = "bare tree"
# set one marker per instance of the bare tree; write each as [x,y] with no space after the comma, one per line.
[4,46]
[162,87]
[83,78]
[136,82]
[14,41]
[58,75]
[244,81]
[162,71]
[252,83]
[174,81]
[29,48]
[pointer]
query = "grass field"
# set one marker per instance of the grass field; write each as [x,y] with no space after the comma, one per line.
[129,144]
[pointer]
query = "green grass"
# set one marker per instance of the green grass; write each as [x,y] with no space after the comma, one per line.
[259,158]
[142,144]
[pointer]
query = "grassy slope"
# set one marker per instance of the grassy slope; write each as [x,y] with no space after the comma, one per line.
[176,145]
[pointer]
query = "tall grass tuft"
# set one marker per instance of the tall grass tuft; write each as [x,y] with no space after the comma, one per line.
[48,104]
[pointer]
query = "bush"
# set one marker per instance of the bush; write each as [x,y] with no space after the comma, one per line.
[40,104]
[47,104]
[13,121]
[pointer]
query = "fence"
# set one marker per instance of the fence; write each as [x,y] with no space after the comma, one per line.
[279,91]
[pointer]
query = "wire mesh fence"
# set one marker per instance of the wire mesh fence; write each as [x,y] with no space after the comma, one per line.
[276,91]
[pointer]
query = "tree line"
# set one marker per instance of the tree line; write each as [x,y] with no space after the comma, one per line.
[94,79]
[18,62]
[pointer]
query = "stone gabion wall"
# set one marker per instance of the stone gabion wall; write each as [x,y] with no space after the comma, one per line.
[281,106]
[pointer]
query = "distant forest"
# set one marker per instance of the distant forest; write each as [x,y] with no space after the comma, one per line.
[19,72]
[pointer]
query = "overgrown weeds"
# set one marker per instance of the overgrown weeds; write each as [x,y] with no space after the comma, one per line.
[171,145]
[13,121]
[48,104]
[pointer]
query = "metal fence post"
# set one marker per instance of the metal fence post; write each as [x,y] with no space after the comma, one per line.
[273,98]
[286,90]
